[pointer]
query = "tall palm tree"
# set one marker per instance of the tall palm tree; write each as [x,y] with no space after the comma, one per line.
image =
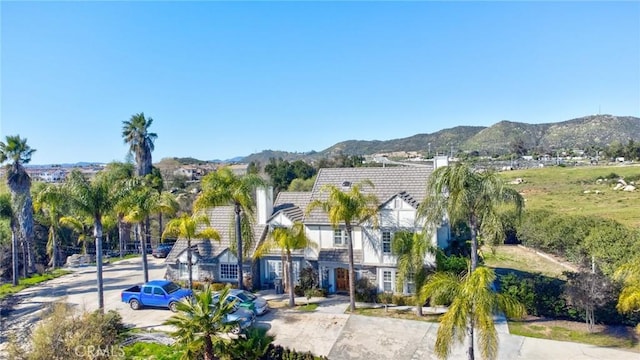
[223,187]
[473,301]
[79,224]
[462,194]
[411,250]
[286,239]
[51,201]
[95,199]
[6,212]
[191,227]
[16,152]
[135,132]
[119,173]
[141,203]
[350,209]
[200,323]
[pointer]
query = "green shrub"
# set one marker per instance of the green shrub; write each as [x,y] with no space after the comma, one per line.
[456,264]
[365,290]
[277,352]
[385,298]
[309,278]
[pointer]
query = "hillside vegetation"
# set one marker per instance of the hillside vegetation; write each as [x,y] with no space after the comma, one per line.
[572,191]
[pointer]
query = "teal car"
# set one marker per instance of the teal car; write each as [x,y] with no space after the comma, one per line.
[247,300]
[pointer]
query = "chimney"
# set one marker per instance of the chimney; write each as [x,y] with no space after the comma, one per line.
[264,204]
[440,161]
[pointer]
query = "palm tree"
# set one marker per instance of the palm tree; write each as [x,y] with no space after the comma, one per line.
[135,132]
[6,212]
[472,301]
[629,299]
[141,203]
[349,209]
[200,322]
[462,194]
[190,227]
[223,187]
[16,151]
[411,249]
[118,173]
[51,201]
[286,239]
[95,199]
[79,224]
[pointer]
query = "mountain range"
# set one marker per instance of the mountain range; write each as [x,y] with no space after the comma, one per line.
[579,133]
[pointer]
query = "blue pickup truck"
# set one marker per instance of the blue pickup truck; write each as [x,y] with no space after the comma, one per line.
[155,293]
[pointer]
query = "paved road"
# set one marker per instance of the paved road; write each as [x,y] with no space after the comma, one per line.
[327,331]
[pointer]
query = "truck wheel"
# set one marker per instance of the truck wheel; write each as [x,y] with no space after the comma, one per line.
[135,304]
[173,306]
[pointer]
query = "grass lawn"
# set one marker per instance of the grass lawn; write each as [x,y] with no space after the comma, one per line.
[306,307]
[144,350]
[562,190]
[505,257]
[391,312]
[8,289]
[607,336]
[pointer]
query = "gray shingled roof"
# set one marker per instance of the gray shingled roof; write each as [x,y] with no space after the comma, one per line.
[408,182]
[221,218]
[292,204]
[339,256]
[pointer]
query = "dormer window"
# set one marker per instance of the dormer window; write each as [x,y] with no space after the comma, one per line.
[346,184]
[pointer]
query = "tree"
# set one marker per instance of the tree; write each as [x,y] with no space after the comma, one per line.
[6,212]
[587,291]
[190,227]
[141,202]
[94,199]
[51,201]
[16,151]
[411,249]
[135,132]
[462,194]
[629,275]
[350,209]
[286,239]
[223,187]
[119,173]
[200,322]
[472,302]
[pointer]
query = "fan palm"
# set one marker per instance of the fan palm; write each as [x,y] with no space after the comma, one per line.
[200,322]
[411,250]
[472,302]
[95,199]
[16,152]
[223,187]
[286,239]
[190,227]
[135,132]
[349,209]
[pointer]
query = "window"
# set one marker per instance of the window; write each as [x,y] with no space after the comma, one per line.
[147,290]
[158,291]
[339,237]
[183,271]
[386,242]
[387,281]
[411,284]
[228,271]
[274,269]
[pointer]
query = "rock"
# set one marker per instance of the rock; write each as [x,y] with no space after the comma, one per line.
[76,260]
[629,188]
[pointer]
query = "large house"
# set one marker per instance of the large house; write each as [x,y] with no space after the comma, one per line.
[399,190]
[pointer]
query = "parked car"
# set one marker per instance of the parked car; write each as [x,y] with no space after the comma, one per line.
[155,293]
[242,318]
[247,300]
[162,250]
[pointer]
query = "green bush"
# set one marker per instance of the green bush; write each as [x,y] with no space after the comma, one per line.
[385,298]
[277,352]
[456,264]
[365,290]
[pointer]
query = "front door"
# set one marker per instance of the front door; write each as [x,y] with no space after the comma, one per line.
[342,279]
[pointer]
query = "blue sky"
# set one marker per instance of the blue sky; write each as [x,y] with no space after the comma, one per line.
[226,79]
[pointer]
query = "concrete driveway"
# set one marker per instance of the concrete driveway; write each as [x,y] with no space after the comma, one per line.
[326,331]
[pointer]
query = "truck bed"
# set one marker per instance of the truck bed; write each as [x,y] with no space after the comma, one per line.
[133,289]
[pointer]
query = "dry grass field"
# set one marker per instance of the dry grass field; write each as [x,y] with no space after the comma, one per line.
[572,190]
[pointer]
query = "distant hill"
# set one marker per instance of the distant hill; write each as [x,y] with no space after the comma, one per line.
[594,130]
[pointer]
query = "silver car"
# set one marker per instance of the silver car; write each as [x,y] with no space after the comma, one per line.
[247,300]
[243,319]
